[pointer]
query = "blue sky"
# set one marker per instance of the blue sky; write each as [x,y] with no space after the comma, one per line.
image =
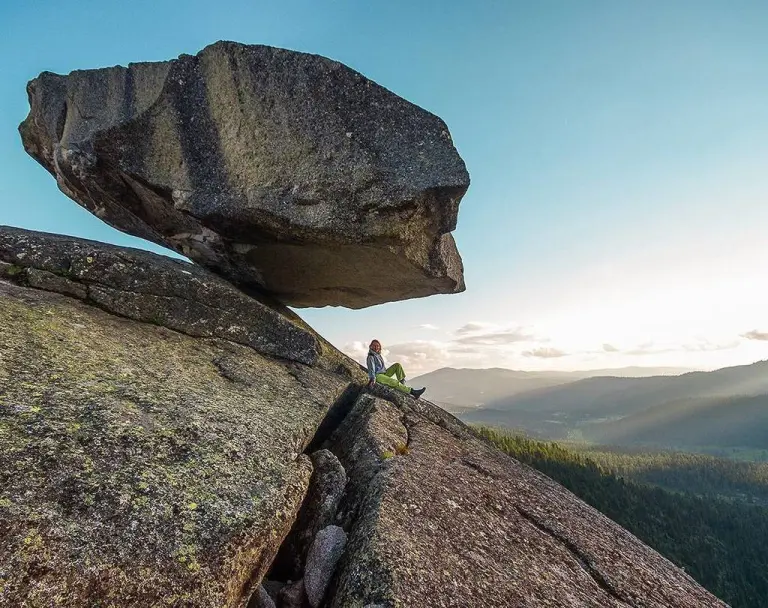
[618,154]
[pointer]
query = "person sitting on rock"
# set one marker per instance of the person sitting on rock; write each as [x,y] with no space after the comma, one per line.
[379,372]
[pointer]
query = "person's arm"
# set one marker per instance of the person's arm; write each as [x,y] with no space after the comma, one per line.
[371,370]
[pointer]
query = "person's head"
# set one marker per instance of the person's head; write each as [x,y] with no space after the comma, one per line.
[375,346]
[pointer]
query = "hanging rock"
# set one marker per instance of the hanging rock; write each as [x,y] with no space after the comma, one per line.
[281,171]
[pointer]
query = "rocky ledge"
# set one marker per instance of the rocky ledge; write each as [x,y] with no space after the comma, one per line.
[156,289]
[146,464]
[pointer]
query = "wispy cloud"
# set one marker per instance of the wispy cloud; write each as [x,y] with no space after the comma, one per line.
[755,335]
[481,344]
[420,355]
[502,336]
[416,356]
[357,350]
[706,345]
[545,352]
[473,327]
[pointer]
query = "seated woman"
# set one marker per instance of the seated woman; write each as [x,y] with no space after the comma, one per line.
[393,375]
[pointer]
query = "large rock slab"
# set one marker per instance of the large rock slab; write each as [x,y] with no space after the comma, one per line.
[281,171]
[440,518]
[171,293]
[140,466]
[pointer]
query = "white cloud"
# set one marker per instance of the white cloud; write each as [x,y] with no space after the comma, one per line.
[501,336]
[648,348]
[416,357]
[706,345]
[420,356]
[429,326]
[654,348]
[482,345]
[357,350]
[755,335]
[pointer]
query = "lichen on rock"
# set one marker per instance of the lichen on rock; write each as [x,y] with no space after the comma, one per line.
[132,472]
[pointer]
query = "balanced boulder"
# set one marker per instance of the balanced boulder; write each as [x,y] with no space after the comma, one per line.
[284,172]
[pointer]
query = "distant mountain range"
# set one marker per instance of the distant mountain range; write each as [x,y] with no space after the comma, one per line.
[725,407]
[459,390]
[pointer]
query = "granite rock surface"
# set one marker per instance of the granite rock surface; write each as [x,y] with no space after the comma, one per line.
[284,172]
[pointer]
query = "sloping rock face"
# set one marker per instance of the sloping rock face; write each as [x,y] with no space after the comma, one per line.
[156,289]
[141,466]
[283,172]
[147,462]
[443,519]
[133,470]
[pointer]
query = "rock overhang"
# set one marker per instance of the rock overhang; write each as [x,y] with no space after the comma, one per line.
[284,172]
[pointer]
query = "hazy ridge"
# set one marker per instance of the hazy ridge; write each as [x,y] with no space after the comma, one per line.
[727,407]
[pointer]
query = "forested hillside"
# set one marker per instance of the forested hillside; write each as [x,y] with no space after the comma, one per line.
[697,411]
[698,474]
[740,421]
[720,541]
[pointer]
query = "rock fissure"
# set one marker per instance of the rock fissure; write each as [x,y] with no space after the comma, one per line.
[292,568]
[304,564]
[335,417]
[582,559]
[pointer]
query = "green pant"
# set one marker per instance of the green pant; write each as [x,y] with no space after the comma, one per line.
[386,378]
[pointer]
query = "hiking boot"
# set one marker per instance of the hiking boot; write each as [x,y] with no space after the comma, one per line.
[417,393]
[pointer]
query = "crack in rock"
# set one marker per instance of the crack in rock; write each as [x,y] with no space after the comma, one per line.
[580,557]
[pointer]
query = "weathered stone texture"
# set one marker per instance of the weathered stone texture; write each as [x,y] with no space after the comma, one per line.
[452,521]
[140,466]
[157,289]
[323,556]
[281,171]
